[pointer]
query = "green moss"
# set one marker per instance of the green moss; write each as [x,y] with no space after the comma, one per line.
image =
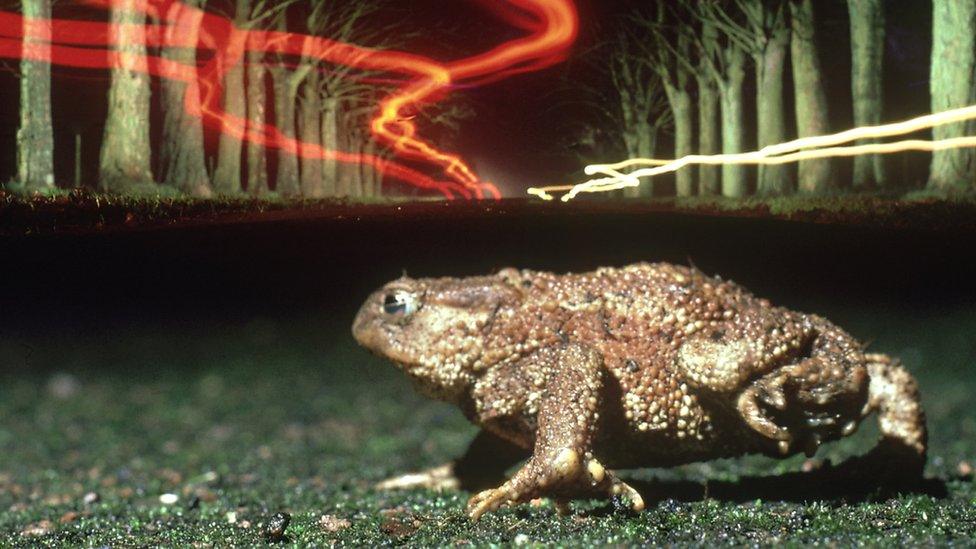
[157,205]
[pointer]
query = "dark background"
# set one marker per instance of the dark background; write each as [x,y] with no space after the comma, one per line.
[57,287]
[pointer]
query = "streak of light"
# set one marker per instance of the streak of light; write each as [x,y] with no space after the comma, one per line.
[792,151]
[552,26]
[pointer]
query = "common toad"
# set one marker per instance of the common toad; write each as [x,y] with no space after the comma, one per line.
[648,365]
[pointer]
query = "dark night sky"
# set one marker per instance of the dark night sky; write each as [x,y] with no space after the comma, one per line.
[512,136]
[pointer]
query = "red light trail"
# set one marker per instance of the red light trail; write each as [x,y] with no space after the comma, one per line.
[552,26]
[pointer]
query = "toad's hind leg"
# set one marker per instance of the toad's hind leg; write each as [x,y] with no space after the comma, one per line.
[893,394]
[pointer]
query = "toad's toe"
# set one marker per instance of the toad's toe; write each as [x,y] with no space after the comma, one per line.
[488,500]
[437,478]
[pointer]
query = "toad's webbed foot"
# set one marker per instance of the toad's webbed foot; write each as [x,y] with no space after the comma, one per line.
[436,478]
[752,405]
[893,394]
[563,477]
[482,465]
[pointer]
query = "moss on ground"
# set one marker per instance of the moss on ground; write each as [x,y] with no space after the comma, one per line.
[62,211]
[240,422]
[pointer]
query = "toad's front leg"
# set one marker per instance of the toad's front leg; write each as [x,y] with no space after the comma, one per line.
[562,465]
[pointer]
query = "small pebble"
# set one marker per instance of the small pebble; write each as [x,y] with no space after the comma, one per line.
[332,523]
[90,498]
[399,523]
[36,529]
[275,531]
[68,517]
[169,499]
[63,386]
[811,465]
[965,470]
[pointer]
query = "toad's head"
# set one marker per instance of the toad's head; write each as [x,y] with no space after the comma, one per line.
[435,329]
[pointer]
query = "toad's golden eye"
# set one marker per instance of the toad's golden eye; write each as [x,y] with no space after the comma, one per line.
[399,304]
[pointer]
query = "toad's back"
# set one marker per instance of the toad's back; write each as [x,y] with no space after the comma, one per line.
[640,317]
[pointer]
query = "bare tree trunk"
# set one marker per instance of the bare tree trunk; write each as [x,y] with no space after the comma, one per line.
[309,118]
[812,116]
[709,139]
[684,132]
[257,162]
[647,190]
[377,179]
[35,138]
[640,141]
[639,137]
[125,162]
[182,155]
[330,142]
[343,169]
[867,45]
[227,175]
[629,132]
[771,110]
[286,94]
[350,177]
[951,82]
[366,170]
[286,83]
[734,183]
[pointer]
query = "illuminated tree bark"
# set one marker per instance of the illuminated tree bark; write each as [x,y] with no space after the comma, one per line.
[638,97]
[340,21]
[812,117]
[683,141]
[952,86]
[35,138]
[309,118]
[350,178]
[227,175]
[734,182]
[330,141]
[287,183]
[124,165]
[709,127]
[668,52]
[286,85]
[640,139]
[709,137]
[365,173]
[722,47]
[347,180]
[182,154]
[770,63]
[370,176]
[867,52]
[257,162]
[760,27]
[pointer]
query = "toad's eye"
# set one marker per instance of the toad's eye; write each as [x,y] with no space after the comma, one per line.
[399,304]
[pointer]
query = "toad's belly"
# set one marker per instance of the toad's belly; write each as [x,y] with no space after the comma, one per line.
[698,434]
